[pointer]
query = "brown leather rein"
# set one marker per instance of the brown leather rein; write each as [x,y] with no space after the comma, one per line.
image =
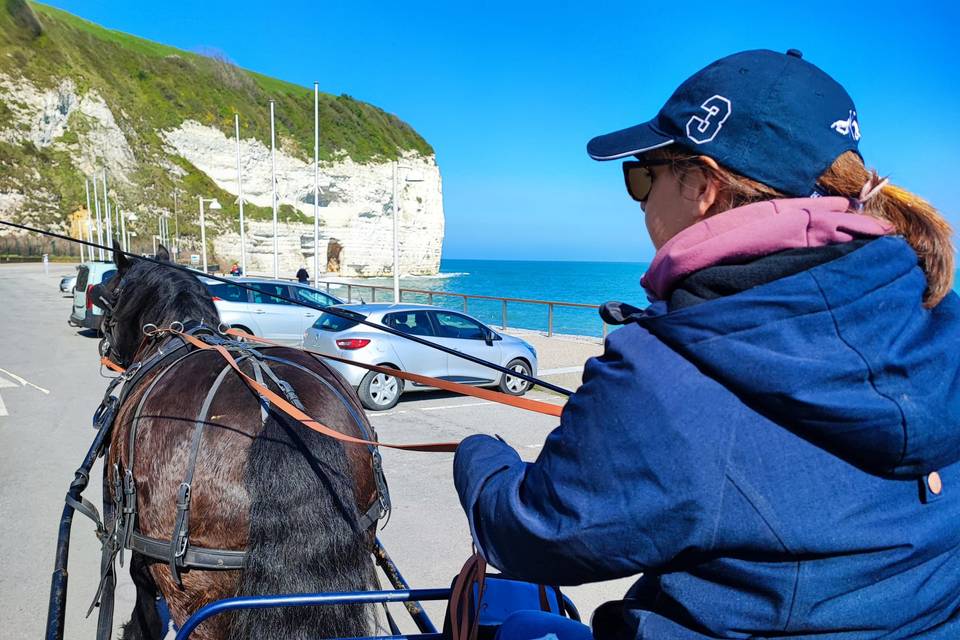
[295,413]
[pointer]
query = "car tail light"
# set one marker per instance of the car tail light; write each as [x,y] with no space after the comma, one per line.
[89,297]
[216,299]
[352,343]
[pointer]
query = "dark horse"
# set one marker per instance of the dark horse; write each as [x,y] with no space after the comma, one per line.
[262,483]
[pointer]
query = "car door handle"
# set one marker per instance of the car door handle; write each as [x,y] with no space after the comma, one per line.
[259,311]
[309,315]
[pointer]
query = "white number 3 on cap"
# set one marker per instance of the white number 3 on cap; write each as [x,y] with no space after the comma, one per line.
[704,129]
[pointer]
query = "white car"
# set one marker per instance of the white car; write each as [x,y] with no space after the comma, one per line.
[346,338]
[85,314]
[261,314]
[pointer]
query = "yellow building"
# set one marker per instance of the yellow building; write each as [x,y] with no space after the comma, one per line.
[79,221]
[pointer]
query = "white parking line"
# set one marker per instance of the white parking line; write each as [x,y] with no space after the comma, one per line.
[556,372]
[25,383]
[384,414]
[457,406]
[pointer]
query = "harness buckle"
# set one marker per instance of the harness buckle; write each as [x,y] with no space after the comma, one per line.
[183,497]
[182,542]
[182,531]
[383,491]
[131,370]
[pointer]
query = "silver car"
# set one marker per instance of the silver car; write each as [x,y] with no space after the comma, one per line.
[348,339]
[263,315]
[67,283]
[84,313]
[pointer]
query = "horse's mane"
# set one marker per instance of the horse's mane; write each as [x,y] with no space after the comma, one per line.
[160,295]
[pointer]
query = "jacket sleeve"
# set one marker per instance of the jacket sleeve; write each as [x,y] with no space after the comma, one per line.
[629,479]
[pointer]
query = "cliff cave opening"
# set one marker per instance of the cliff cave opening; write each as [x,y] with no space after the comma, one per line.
[334,248]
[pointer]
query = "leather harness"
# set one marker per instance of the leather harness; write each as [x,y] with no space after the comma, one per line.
[118,529]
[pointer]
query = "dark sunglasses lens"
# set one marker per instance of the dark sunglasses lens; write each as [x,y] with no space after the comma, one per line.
[639,182]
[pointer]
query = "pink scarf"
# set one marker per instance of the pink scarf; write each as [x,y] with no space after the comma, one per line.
[756,230]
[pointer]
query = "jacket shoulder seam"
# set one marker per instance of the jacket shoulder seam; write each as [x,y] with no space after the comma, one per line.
[871,378]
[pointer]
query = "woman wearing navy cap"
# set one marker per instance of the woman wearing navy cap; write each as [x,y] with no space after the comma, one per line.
[774,442]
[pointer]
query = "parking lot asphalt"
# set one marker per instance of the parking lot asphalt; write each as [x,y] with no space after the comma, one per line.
[50,384]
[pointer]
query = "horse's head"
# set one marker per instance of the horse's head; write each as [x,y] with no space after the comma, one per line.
[145,293]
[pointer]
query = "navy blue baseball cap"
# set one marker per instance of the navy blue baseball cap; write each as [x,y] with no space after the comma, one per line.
[772,117]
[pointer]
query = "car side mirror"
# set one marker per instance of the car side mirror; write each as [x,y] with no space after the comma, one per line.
[488,338]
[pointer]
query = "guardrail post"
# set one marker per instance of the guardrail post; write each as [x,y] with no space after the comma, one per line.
[400,295]
[550,320]
[430,298]
[503,313]
[328,286]
[464,304]
[349,293]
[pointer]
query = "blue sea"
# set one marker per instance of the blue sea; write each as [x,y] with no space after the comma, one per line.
[582,282]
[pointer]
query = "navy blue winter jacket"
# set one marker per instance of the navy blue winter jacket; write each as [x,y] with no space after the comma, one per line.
[765,459]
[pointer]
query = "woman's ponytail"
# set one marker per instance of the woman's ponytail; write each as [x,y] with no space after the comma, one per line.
[913,217]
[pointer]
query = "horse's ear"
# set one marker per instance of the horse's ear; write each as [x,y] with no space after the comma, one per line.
[162,254]
[119,258]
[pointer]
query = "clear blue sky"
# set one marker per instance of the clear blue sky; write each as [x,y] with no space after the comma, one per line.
[508,93]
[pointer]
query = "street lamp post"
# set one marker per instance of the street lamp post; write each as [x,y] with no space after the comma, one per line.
[396,215]
[214,205]
[273,179]
[123,230]
[176,227]
[243,236]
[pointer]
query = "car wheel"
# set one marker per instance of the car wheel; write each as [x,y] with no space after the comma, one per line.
[379,392]
[241,328]
[512,385]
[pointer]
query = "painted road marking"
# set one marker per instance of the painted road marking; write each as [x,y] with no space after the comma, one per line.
[6,384]
[379,414]
[556,372]
[25,383]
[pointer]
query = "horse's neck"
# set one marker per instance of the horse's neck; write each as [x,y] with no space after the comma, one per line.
[164,318]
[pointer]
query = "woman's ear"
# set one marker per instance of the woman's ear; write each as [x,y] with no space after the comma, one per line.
[709,188]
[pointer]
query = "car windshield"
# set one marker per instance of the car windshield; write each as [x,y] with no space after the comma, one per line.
[330,322]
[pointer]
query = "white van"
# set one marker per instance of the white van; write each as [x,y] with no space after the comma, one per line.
[85,314]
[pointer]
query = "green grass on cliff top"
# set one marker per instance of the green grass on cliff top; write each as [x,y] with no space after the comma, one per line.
[150,86]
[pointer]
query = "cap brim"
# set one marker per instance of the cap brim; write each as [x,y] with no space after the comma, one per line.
[627,142]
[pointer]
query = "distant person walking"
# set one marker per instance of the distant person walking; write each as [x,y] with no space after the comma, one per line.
[302,276]
[235,270]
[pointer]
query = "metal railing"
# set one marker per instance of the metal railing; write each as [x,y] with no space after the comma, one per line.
[430,295]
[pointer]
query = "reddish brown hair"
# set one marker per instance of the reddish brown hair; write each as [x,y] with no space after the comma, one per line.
[913,217]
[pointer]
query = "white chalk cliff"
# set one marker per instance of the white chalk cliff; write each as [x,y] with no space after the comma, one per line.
[356,215]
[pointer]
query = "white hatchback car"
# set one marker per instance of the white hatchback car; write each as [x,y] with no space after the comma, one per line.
[263,315]
[349,339]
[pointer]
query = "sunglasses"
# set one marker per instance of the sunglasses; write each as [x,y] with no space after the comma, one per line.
[639,178]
